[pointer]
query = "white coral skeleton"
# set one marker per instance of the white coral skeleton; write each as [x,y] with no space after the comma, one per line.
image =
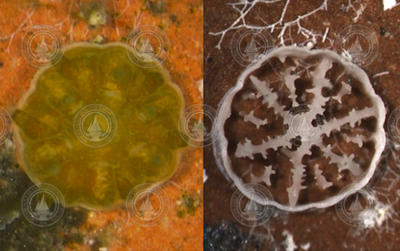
[352,168]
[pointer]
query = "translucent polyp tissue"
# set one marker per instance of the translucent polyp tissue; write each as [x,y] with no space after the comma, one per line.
[305,124]
[95,125]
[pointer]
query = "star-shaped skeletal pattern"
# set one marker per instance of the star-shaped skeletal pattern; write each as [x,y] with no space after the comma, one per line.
[348,124]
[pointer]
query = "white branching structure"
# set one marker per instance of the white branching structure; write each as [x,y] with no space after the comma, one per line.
[284,27]
[326,105]
[243,7]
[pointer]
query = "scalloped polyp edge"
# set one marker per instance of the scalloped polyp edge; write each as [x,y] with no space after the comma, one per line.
[220,143]
[20,145]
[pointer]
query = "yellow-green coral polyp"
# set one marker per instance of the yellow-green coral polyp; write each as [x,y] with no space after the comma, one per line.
[63,120]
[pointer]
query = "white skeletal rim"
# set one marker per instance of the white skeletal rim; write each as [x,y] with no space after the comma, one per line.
[220,142]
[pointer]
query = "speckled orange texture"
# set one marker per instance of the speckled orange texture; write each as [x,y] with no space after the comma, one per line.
[184,62]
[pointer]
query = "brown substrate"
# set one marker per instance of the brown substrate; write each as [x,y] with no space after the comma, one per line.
[323,230]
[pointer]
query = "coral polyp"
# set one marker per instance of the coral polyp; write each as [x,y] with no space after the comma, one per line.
[95,125]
